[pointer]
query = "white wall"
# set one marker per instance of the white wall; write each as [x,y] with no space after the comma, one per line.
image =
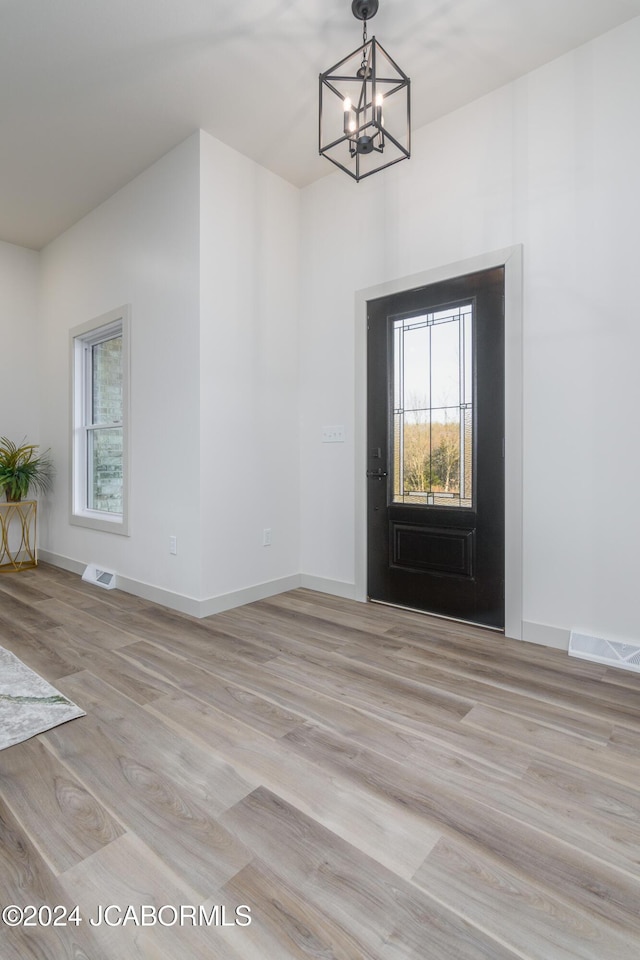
[19,348]
[204,246]
[248,372]
[139,247]
[551,162]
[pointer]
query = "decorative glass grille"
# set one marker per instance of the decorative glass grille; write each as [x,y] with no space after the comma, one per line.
[433,408]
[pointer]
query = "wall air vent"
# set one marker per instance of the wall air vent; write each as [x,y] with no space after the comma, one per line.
[613,653]
[101,577]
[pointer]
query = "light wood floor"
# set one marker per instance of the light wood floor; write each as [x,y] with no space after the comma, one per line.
[371,783]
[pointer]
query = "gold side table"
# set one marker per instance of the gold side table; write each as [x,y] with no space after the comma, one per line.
[18,547]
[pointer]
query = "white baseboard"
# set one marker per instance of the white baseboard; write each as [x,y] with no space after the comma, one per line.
[541,633]
[546,635]
[337,588]
[181,602]
[238,598]
[56,560]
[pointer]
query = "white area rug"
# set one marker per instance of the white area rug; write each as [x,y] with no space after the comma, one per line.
[28,704]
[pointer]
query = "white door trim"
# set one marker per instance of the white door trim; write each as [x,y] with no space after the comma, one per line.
[511,259]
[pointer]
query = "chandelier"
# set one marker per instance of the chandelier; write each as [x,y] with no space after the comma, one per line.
[365,108]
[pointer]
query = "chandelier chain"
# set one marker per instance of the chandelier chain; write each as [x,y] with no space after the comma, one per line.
[364,44]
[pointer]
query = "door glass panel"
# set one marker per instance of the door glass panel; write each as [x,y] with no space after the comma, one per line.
[433,408]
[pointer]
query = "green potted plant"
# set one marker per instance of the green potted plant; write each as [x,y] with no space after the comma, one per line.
[21,468]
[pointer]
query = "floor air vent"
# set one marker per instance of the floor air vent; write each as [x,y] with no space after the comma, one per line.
[611,652]
[102,578]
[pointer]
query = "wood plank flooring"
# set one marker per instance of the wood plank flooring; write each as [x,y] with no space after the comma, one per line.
[373,784]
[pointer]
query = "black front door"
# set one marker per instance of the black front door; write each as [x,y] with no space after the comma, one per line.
[435,429]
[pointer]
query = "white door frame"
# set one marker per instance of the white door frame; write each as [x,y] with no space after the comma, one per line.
[511,259]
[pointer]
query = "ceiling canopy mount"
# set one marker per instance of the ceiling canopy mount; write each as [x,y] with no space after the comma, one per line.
[364,9]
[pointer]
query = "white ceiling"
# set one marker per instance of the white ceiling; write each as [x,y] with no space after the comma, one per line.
[93,91]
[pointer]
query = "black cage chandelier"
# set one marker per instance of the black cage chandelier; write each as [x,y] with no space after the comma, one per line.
[365,106]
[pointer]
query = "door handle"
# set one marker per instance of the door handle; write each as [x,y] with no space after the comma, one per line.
[378,474]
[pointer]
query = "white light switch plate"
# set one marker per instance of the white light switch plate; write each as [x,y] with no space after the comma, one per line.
[333,434]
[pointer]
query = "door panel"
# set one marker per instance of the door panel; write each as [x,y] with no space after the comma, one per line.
[431,548]
[435,395]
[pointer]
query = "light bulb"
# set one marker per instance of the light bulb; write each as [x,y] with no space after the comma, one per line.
[379,99]
[349,118]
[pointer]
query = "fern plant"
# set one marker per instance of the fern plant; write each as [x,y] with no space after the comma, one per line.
[21,468]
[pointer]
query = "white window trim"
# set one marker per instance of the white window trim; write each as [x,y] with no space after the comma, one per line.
[82,336]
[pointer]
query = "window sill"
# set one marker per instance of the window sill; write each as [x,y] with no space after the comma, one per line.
[94,521]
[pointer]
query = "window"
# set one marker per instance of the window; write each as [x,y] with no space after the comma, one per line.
[100,363]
